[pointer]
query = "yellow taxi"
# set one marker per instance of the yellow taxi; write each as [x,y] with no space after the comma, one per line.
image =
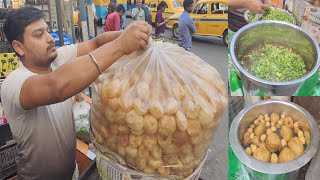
[172,7]
[210,18]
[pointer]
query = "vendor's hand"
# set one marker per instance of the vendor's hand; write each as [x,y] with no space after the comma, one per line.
[135,36]
[166,20]
[256,6]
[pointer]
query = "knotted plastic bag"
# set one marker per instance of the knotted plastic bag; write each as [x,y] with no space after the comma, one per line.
[158,109]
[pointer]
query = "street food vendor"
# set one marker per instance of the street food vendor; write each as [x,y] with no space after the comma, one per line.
[36,97]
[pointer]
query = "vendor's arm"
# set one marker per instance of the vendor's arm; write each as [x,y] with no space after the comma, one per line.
[253,5]
[104,38]
[77,74]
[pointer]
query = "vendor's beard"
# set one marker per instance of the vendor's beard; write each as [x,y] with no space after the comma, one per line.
[52,57]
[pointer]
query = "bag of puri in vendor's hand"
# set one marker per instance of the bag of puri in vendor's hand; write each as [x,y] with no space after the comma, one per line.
[158,109]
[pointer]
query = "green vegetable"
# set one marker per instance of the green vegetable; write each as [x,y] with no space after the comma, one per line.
[274,63]
[83,130]
[272,14]
[251,16]
[276,14]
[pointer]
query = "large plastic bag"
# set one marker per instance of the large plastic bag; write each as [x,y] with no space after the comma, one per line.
[158,109]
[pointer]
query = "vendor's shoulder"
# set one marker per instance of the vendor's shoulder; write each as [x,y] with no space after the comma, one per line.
[15,77]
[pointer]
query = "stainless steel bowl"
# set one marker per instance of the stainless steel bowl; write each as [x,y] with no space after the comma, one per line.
[263,170]
[284,33]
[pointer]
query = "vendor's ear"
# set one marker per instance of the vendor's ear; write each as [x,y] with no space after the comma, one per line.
[18,47]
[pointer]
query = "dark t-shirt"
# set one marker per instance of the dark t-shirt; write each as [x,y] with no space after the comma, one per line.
[159,19]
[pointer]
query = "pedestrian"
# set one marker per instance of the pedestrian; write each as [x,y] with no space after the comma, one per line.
[186,26]
[160,21]
[129,5]
[113,20]
[147,14]
[111,8]
[138,13]
[37,96]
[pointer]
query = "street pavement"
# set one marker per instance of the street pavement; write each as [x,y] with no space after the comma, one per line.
[214,52]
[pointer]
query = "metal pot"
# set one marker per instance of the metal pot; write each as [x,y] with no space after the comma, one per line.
[288,34]
[262,170]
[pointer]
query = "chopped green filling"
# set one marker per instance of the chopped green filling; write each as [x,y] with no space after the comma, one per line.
[274,63]
[272,14]
[251,16]
[275,14]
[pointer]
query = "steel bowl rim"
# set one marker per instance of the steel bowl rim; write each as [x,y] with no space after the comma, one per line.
[270,168]
[281,83]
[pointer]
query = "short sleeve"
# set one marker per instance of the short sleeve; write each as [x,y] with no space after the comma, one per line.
[65,54]
[10,91]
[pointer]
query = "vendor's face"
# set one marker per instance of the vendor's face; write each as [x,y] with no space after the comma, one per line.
[38,45]
[163,9]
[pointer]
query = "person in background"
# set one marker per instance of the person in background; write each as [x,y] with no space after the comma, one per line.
[186,26]
[113,20]
[138,13]
[160,21]
[111,8]
[146,12]
[36,97]
[128,5]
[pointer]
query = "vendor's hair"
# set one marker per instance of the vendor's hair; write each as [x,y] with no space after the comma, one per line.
[120,8]
[187,3]
[17,20]
[162,4]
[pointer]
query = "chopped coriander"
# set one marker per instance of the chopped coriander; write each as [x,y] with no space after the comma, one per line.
[274,63]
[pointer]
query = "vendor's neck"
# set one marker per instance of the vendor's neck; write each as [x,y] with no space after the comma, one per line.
[38,69]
